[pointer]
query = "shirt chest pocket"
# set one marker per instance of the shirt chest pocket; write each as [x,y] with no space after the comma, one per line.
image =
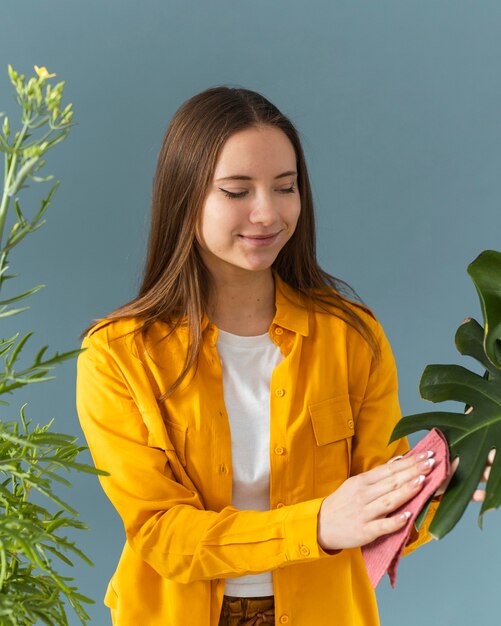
[333,430]
[177,435]
[171,438]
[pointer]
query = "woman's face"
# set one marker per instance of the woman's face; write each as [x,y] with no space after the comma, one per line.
[252,206]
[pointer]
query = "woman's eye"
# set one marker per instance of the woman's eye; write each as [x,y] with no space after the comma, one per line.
[233,194]
[241,194]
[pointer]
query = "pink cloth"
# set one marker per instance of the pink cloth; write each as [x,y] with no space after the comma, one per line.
[383,554]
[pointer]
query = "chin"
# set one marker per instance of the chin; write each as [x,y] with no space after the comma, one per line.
[258,266]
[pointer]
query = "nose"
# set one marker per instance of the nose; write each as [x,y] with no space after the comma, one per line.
[264,210]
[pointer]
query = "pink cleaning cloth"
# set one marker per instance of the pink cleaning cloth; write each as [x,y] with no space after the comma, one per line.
[383,554]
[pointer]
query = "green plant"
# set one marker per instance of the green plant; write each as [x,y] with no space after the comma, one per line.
[32,516]
[472,434]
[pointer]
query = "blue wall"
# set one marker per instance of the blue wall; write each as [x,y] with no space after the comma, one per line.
[399,106]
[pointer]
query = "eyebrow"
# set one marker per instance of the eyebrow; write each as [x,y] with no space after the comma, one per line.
[241,177]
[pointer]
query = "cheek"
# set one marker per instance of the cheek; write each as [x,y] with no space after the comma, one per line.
[205,220]
[293,222]
[212,225]
[294,219]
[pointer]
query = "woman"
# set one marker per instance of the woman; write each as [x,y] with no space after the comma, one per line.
[242,403]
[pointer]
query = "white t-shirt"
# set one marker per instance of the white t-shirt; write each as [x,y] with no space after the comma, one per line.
[248,363]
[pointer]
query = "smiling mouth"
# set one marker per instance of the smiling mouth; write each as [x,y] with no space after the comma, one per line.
[260,241]
[261,237]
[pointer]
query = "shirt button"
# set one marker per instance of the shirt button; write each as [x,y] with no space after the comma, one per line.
[280,393]
[305,551]
[350,423]
[284,619]
[280,505]
[223,469]
[279,450]
[279,331]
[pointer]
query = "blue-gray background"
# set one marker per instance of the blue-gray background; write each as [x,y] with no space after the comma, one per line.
[399,106]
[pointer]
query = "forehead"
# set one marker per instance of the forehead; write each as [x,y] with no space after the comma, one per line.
[255,151]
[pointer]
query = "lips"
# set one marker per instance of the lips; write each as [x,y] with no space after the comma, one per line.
[260,236]
[260,240]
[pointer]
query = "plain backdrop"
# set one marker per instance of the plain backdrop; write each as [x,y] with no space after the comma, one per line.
[399,107]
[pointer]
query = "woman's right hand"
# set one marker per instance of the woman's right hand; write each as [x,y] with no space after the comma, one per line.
[360,510]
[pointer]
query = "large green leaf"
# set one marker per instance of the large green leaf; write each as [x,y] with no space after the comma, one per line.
[471,434]
[485,272]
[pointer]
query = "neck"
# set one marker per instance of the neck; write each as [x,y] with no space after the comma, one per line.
[243,306]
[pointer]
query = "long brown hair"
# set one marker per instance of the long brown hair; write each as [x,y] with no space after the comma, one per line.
[175,281]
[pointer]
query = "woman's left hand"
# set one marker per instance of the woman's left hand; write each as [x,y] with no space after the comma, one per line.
[478,494]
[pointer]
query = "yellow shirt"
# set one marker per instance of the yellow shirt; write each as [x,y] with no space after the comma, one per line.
[331,414]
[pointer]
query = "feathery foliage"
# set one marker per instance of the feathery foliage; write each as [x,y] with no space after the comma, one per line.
[33,459]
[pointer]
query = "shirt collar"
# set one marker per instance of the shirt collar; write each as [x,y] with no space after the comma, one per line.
[291,308]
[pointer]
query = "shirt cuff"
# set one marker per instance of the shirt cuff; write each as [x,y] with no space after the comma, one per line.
[300,532]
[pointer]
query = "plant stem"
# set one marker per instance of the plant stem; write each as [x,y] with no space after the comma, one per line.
[8,180]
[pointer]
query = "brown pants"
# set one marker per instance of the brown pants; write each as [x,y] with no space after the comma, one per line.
[247,611]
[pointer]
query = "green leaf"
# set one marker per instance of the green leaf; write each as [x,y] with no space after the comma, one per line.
[63,356]
[472,434]
[4,146]
[59,555]
[18,348]
[19,214]
[6,344]
[11,312]
[422,514]
[485,272]
[42,179]
[469,341]
[43,120]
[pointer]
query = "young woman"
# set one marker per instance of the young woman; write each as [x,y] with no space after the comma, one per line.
[243,402]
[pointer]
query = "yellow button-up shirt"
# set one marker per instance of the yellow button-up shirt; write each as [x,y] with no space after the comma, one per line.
[331,414]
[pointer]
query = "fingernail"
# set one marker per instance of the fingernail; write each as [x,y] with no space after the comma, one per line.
[395,458]
[418,480]
[429,463]
[404,515]
[425,455]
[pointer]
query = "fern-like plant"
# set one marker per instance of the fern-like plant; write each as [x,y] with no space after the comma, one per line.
[33,458]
